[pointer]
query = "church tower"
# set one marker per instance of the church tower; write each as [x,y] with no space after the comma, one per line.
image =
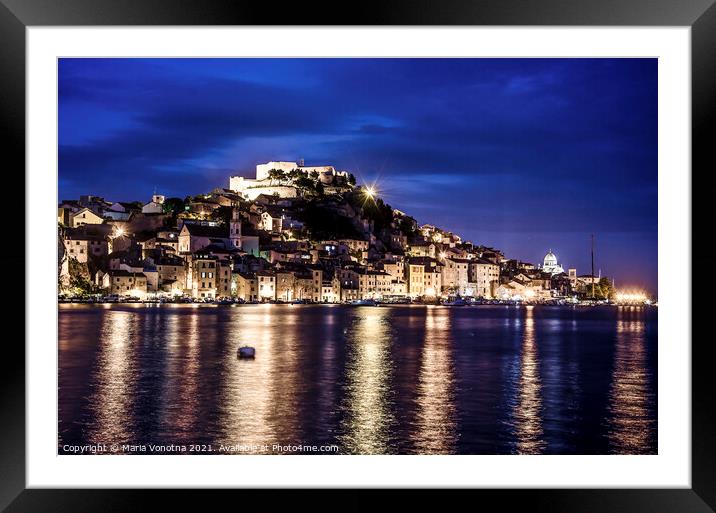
[235,228]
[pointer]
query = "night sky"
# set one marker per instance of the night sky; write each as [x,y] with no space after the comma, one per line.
[521,154]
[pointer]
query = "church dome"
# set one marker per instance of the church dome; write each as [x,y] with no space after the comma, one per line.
[550,259]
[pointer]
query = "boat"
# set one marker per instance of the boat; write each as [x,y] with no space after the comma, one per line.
[246,352]
[364,302]
[455,302]
[225,301]
[401,301]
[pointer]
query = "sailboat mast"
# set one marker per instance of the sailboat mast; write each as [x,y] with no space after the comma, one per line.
[592,266]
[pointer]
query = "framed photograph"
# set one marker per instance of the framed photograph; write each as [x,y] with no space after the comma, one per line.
[440,247]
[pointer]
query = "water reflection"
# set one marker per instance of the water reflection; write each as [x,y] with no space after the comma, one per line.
[246,393]
[181,388]
[372,380]
[113,386]
[285,393]
[632,424]
[327,375]
[528,413]
[260,397]
[436,425]
[369,417]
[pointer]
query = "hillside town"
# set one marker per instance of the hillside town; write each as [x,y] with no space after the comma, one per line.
[295,233]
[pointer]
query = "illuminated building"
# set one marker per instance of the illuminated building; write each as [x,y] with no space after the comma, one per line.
[550,264]
[125,283]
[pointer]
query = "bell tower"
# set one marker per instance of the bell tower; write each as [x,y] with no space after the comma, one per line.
[235,228]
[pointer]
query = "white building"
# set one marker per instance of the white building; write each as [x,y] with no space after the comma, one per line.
[84,216]
[326,174]
[264,184]
[455,277]
[271,223]
[156,206]
[550,264]
[194,237]
[484,277]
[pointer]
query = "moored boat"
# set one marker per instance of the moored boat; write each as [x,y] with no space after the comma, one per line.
[246,352]
[455,302]
[364,302]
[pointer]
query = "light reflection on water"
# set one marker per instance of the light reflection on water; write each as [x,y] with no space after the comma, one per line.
[528,412]
[113,383]
[370,380]
[256,386]
[631,426]
[180,397]
[436,429]
[367,392]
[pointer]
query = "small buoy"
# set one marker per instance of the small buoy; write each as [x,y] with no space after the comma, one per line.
[247,352]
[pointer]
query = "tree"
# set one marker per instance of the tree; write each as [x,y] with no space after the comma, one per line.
[351,179]
[304,183]
[80,282]
[319,188]
[374,209]
[174,206]
[606,288]
[137,205]
[276,174]
[407,225]
[222,214]
[324,223]
[295,175]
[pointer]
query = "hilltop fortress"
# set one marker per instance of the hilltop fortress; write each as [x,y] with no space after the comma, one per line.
[278,178]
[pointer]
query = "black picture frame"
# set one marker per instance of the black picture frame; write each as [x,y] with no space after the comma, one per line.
[700,15]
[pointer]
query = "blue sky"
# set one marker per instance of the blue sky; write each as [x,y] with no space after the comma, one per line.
[522,154]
